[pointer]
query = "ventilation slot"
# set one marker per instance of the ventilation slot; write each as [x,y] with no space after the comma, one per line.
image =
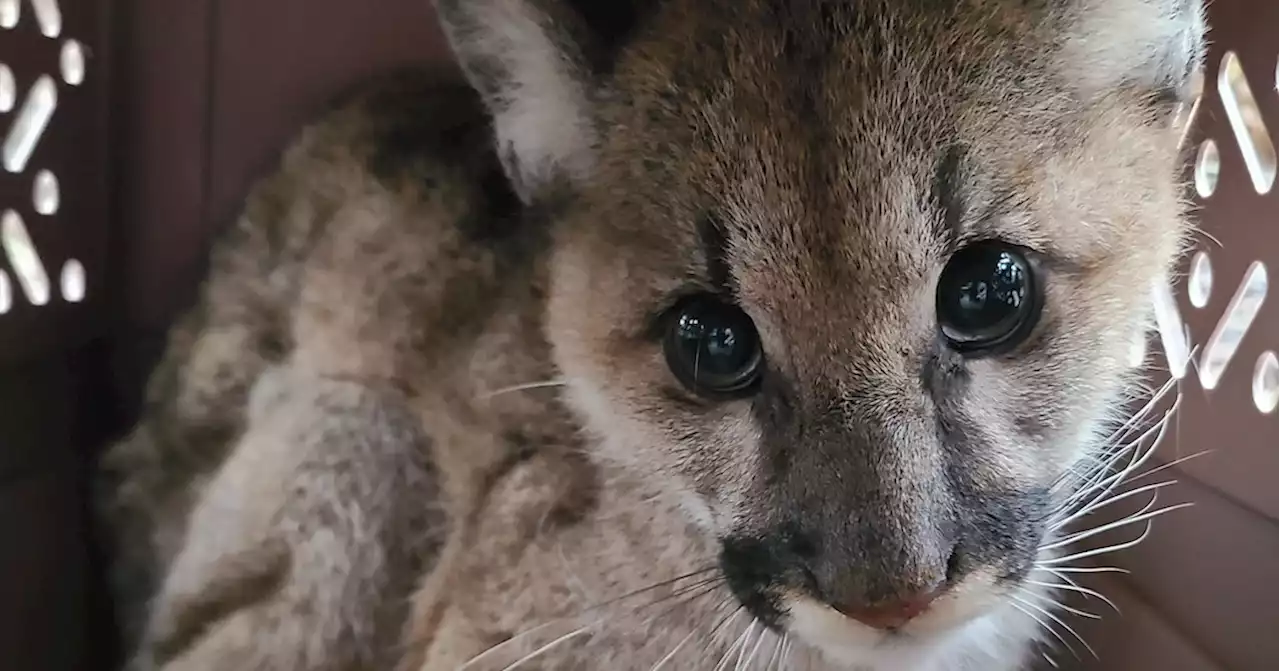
[1226,337]
[49,16]
[1173,335]
[23,258]
[1246,123]
[1265,383]
[30,125]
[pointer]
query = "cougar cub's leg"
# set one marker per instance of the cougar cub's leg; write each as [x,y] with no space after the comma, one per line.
[304,548]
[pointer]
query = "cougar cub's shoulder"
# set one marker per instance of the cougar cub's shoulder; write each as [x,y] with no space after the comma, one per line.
[280,498]
[842,295]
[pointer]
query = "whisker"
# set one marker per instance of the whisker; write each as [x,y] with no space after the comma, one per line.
[1120,434]
[1071,586]
[740,641]
[1170,464]
[684,602]
[1100,551]
[545,384]
[775,657]
[1106,485]
[1118,497]
[674,651]
[1105,477]
[1144,516]
[1062,606]
[547,648]
[744,661]
[1084,569]
[494,649]
[1062,624]
[1046,627]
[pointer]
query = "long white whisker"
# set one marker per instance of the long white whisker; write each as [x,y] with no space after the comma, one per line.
[494,649]
[545,384]
[1121,431]
[1044,625]
[1076,538]
[674,651]
[1058,604]
[1100,551]
[547,648]
[1071,586]
[1102,504]
[724,659]
[1106,477]
[755,650]
[1062,624]
[742,650]
[1084,569]
[775,657]
[1108,484]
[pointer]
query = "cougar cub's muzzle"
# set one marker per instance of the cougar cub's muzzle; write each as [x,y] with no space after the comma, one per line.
[880,527]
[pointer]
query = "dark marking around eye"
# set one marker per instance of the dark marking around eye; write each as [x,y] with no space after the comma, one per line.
[943,375]
[946,195]
[775,414]
[715,249]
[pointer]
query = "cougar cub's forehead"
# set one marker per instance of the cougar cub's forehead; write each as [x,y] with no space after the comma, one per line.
[835,154]
[897,129]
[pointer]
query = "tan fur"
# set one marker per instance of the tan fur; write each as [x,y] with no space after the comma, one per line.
[383,267]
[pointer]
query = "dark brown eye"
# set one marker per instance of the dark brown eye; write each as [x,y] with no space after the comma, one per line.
[988,299]
[712,347]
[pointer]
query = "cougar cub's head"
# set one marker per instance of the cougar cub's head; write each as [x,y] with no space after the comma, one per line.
[855,280]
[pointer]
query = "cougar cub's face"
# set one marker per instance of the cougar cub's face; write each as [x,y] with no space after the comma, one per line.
[856,281]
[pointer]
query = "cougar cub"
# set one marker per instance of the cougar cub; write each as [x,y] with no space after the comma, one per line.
[753,334]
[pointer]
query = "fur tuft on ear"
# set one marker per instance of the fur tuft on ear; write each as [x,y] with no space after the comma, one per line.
[527,60]
[1152,45]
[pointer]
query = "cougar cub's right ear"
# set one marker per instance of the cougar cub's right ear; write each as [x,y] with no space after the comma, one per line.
[527,59]
[1153,45]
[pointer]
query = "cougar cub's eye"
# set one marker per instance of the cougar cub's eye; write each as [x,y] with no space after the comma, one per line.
[713,348]
[988,299]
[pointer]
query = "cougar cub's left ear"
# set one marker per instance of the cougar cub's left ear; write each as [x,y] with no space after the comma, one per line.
[1152,46]
[528,60]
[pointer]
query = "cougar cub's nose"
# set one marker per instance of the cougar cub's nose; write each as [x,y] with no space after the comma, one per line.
[891,614]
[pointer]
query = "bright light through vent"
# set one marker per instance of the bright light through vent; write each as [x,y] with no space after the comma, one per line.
[23,258]
[49,16]
[1246,123]
[45,197]
[30,124]
[10,12]
[1235,322]
[6,293]
[8,88]
[71,61]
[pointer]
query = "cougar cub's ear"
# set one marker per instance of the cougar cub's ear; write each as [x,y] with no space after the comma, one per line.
[528,60]
[1150,46]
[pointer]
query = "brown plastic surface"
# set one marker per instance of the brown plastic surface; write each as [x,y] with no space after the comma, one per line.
[186,101]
